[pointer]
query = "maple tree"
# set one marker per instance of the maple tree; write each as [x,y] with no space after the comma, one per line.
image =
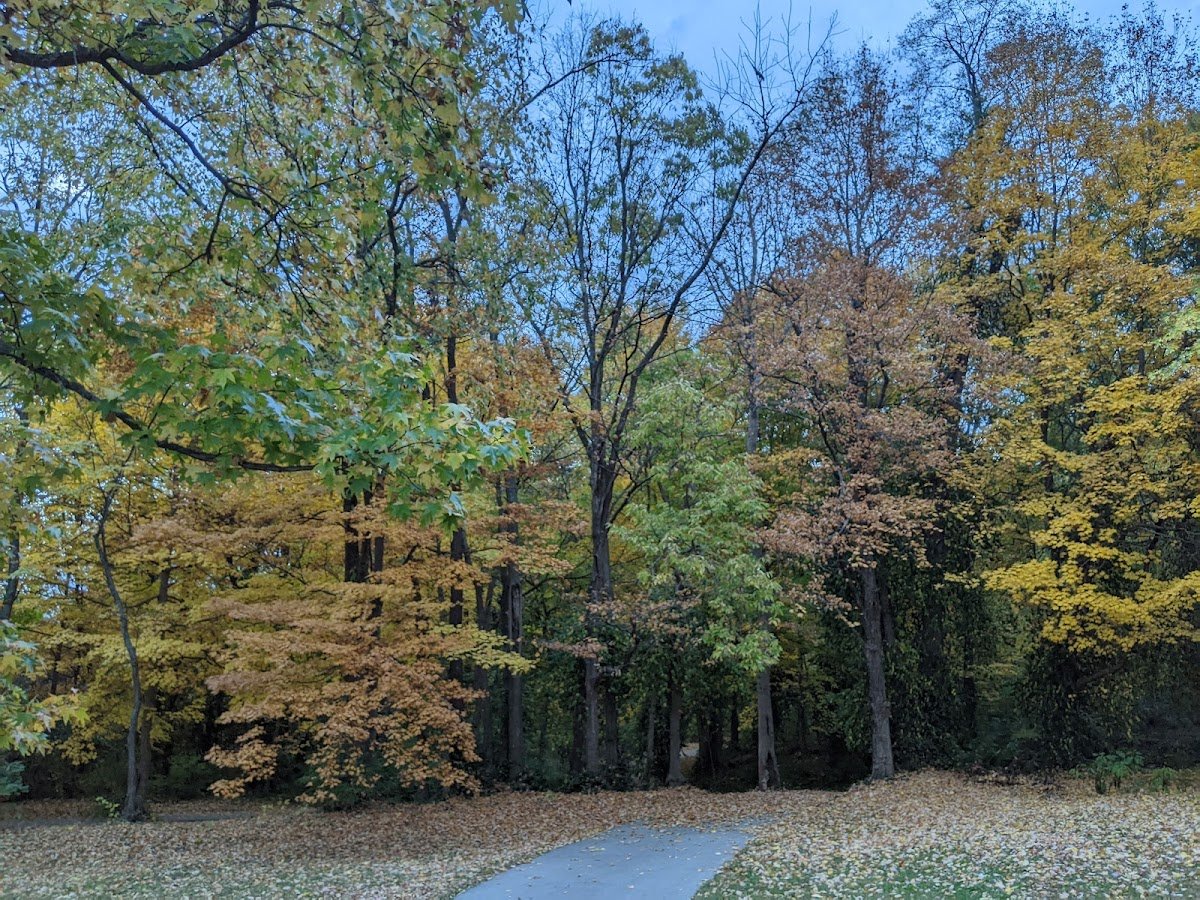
[1094,444]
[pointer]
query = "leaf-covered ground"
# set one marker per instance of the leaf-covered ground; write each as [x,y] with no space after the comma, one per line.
[937,835]
[930,835]
[417,851]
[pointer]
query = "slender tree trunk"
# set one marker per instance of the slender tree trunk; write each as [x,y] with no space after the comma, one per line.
[512,608]
[803,714]
[603,481]
[479,678]
[768,760]
[882,765]
[134,807]
[458,553]
[148,708]
[578,756]
[708,762]
[512,605]
[11,582]
[734,725]
[675,725]
[651,739]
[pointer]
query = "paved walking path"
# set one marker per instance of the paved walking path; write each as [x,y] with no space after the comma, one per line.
[630,861]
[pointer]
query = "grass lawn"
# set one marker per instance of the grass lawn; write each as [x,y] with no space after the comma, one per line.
[927,835]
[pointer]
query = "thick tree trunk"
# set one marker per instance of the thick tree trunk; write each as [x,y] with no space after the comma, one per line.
[675,738]
[882,765]
[591,716]
[362,555]
[708,761]
[612,728]
[768,762]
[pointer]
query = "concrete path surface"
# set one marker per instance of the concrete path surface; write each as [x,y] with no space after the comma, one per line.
[630,861]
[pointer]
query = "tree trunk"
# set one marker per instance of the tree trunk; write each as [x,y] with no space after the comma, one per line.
[362,555]
[708,762]
[734,725]
[651,741]
[512,609]
[768,762]
[479,678]
[134,807]
[458,553]
[148,708]
[612,729]
[882,765]
[600,595]
[591,716]
[578,755]
[674,771]
[458,541]
[13,541]
[11,582]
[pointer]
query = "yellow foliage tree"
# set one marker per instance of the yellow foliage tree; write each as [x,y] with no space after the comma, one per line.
[1077,192]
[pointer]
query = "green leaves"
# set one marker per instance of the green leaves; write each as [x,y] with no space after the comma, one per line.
[701,565]
[24,722]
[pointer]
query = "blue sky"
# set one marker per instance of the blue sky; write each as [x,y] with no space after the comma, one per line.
[699,28]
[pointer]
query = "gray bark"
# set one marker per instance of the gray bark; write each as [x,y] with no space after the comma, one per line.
[768,762]
[603,481]
[134,807]
[674,771]
[882,765]
[651,739]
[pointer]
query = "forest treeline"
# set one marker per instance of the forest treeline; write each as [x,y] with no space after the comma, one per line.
[406,398]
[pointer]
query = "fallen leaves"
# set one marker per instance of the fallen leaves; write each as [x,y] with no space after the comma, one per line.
[927,835]
[941,835]
[411,851]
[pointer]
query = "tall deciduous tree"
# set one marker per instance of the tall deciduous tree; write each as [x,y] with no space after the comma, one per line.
[642,178]
[1075,187]
[705,595]
[862,355]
